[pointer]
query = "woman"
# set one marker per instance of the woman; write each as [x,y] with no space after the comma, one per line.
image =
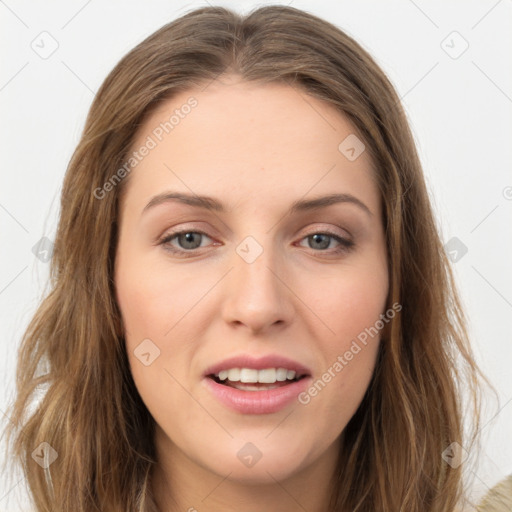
[257,370]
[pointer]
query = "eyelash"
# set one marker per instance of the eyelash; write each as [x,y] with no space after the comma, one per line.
[345,244]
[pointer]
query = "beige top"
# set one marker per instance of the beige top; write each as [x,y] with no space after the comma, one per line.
[499,498]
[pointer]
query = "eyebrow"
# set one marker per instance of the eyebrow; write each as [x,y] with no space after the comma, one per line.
[212,204]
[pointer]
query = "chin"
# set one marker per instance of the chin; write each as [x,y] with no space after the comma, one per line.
[262,473]
[256,463]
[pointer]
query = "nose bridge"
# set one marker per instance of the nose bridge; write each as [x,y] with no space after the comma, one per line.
[257,295]
[255,267]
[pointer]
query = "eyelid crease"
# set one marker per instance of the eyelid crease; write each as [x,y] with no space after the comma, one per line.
[316,230]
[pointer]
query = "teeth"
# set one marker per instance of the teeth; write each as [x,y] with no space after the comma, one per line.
[266,376]
[281,374]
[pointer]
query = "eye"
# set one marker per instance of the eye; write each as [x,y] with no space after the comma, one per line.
[187,241]
[321,240]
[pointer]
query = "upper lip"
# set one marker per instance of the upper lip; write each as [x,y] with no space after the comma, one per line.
[258,363]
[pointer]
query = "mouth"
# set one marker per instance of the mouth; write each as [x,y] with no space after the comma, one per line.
[264,385]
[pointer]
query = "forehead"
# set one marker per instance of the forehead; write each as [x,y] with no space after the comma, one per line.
[255,139]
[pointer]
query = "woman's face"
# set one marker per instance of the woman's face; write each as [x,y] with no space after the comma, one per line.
[262,273]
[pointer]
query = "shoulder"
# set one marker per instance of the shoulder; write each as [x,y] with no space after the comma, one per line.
[499,498]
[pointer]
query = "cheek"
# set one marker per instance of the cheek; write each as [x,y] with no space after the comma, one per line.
[152,306]
[351,306]
[350,302]
[360,306]
[349,353]
[164,308]
[151,301]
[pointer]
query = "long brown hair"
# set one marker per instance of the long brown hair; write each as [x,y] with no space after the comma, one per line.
[393,453]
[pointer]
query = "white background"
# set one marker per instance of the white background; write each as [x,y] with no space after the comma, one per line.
[459,110]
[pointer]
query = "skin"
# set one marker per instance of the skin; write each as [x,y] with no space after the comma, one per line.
[256,148]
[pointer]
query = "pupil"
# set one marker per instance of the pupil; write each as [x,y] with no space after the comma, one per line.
[326,238]
[189,239]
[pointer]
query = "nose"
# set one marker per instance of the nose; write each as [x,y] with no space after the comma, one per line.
[257,294]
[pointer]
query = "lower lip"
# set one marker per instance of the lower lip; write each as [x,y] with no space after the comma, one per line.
[257,402]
